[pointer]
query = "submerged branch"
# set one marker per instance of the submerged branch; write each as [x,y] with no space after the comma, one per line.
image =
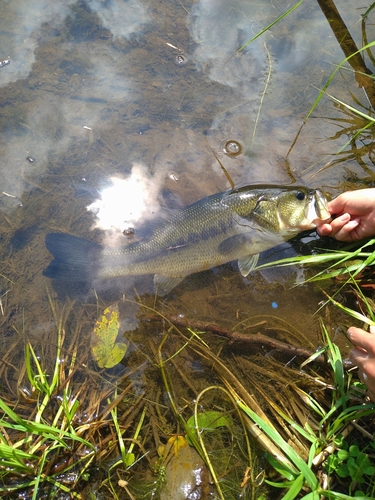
[362,72]
[257,340]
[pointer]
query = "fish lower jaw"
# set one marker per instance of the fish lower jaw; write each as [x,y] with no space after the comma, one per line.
[319,222]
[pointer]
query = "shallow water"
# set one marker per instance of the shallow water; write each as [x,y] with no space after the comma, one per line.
[121,107]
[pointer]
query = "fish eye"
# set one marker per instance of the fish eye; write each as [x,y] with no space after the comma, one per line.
[300,195]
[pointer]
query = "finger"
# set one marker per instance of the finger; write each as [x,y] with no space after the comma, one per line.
[366,369]
[371,395]
[363,377]
[324,230]
[334,226]
[362,339]
[358,356]
[339,222]
[369,383]
[342,232]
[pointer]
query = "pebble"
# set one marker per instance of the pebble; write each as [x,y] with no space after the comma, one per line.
[4,62]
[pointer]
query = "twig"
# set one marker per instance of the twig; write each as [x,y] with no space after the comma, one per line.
[251,340]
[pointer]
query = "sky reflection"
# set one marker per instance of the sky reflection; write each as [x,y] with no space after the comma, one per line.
[111,67]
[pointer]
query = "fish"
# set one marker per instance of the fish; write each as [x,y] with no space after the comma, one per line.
[233,225]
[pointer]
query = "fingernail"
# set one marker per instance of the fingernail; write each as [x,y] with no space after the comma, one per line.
[344,217]
[355,222]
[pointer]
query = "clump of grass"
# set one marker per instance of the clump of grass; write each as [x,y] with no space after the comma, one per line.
[306,429]
[57,435]
[329,444]
[332,422]
[348,262]
[296,428]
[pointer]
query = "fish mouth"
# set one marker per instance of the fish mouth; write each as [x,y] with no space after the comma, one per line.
[320,209]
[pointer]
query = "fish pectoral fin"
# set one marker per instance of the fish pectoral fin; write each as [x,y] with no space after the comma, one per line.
[165,284]
[234,244]
[237,244]
[247,264]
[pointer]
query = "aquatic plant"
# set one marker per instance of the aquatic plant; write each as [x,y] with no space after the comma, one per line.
[355,59]
[348,262]
[327,442]
[55,435]
[306,427]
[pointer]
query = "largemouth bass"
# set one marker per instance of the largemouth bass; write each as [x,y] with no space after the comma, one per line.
[234,225]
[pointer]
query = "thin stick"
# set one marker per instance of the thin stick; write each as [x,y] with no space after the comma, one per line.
[257,340]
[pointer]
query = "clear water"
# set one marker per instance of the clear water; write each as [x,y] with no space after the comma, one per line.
[112,113]
[140,97]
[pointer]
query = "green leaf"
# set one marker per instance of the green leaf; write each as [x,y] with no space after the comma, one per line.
[343,455]
[292,455]
[313,495]
[8,452]
[106,351]
[335,495]
[130,459]
[295,488]
[281,468]
[343,471]
[208,421]
[354,451]
[283,484]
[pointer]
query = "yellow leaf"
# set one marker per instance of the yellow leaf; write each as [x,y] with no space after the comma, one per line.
[107,352]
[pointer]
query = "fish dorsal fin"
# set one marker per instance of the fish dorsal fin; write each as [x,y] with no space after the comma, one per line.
[165,284]
[247,264]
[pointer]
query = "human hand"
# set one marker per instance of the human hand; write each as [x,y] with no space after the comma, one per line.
[363,355]
[355,216]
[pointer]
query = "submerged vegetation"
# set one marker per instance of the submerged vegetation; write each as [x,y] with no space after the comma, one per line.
[59,440]
[54,431]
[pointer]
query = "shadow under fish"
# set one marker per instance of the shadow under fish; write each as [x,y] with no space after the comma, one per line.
[233,225]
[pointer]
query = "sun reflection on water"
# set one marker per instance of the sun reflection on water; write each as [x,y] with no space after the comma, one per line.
[127,203]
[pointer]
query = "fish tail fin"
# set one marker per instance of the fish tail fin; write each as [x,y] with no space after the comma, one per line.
[73,258]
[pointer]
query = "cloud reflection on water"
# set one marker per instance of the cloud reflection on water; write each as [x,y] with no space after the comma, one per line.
[142,107]
[219,28]
[19,33]
[123,19]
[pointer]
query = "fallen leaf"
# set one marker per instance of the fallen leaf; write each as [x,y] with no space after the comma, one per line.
[106,351]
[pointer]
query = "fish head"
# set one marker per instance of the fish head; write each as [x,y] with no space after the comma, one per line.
[301,209]
[284,210]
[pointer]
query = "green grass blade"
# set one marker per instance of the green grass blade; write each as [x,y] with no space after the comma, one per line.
[340,496]
[354,110]
[322,92]
[270,25]
[368,10]
[283,445]
[295,488]
[351,312]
